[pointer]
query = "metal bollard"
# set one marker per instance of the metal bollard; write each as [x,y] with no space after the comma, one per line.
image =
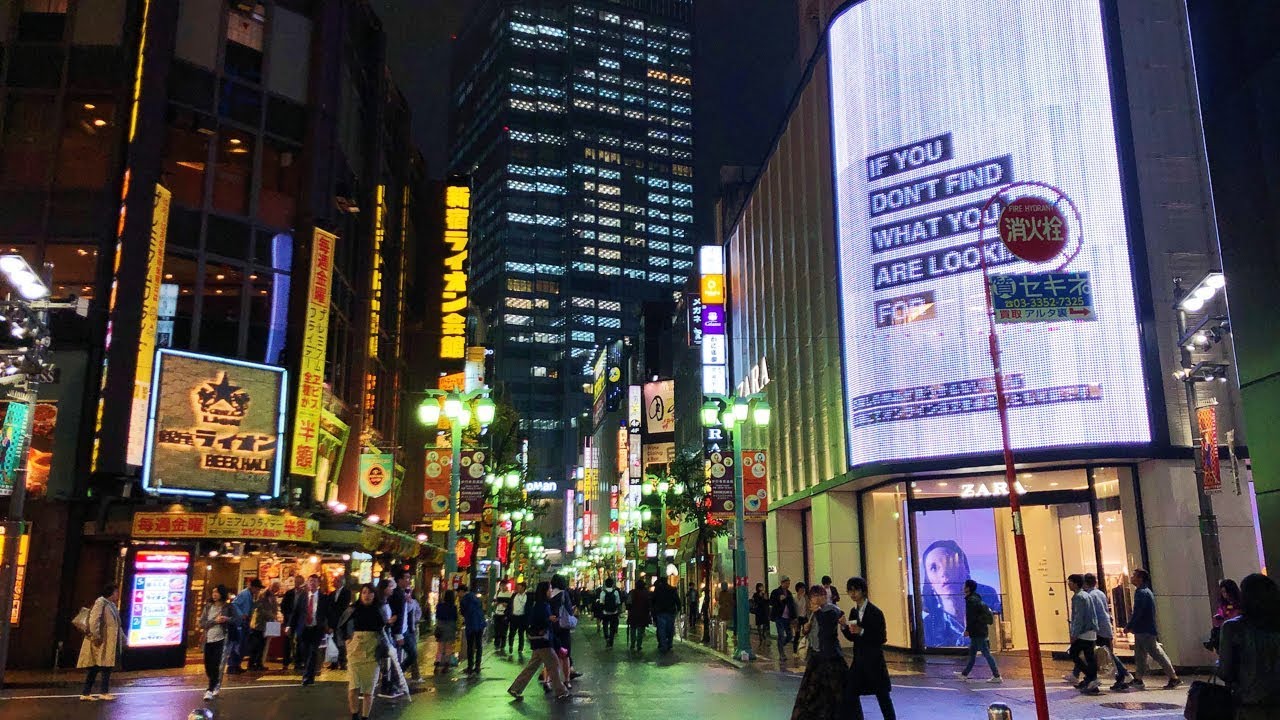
[999,711]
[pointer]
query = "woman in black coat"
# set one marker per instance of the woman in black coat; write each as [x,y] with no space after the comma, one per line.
[868,674]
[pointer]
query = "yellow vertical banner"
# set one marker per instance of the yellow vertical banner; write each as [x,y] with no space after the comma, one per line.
[147,327]
[306,421]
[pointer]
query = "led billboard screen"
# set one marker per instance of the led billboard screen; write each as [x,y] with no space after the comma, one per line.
[936,104]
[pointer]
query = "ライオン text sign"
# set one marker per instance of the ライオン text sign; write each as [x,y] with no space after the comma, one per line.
[214,426]
[453,306]
[972,97]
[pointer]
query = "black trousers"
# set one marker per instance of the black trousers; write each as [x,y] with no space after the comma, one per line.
[610,623]
[105,671]
[501,625]
[882,697]
[518,625]
[1083,659]
[213,662]
[257,647]
[475,649]
[308,648]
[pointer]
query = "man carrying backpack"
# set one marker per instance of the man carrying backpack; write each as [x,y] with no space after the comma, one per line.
[609,603]
[978,619]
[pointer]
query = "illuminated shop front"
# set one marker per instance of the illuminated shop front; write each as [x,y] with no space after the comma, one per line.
[908,120]
[927,535]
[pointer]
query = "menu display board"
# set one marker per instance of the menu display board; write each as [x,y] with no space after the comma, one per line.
[158,598]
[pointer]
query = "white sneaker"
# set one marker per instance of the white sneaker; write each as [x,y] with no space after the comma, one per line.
[88,698]
[216,691]
[996,680]
[208,694]
[106,696]
[1073,679]
[961,676]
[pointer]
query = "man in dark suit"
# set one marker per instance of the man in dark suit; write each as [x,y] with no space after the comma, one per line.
[309,624]
[339,600]
[868,675]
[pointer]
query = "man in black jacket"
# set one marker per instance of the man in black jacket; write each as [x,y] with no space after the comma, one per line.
[309,622]
[665,605]
[782,611]
[868,674]
[339,600]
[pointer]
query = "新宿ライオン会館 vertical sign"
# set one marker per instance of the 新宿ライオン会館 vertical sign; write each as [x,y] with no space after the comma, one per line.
[453,306]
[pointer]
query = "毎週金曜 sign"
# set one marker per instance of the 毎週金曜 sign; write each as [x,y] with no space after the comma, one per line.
[1041,297]
[214,426]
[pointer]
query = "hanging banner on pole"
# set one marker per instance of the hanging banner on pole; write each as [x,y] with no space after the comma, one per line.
[1210,467]
[376,471]
[755,484]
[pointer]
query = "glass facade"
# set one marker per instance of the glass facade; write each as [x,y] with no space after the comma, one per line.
[576,130]
[925,537]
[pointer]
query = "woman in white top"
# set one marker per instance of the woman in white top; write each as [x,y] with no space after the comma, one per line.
[218,615]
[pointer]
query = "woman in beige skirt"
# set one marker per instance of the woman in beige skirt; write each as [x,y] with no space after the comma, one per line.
[363,625]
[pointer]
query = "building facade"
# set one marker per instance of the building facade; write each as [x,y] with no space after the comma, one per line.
[1232,49]
[573,121]
[855,272]
[233,181]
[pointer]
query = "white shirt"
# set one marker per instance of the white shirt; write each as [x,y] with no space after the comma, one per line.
[313,599]
[861,609]
[518,603]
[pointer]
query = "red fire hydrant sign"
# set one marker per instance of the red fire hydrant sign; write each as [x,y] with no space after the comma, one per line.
[1033,229]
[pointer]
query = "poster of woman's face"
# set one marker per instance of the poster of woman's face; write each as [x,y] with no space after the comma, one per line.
[955,546]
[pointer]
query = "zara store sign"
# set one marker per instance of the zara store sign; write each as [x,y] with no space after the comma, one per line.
[997,488]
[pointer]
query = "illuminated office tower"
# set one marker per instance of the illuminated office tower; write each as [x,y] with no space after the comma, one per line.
[573,120]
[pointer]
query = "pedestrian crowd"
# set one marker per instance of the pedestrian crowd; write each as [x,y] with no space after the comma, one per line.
[375,636]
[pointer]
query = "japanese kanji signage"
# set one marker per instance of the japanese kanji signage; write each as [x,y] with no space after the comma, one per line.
[147,327]
[315,340]
[720,472]
[1033,229]
[471,485]
[223,526]
[453,306]
[376,473]
[214,426]
[1042,297]
[1210,467]
[660,406]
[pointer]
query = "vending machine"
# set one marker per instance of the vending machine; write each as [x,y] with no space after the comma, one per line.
[154,607]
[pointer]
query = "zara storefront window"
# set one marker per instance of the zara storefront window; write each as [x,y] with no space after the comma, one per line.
[931,534]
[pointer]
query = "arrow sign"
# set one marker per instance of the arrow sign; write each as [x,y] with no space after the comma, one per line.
[1041,297]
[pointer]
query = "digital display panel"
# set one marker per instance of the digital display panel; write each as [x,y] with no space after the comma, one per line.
[158,598]
[955,545]
[936,105]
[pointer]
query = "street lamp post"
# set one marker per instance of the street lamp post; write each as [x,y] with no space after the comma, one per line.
[1189,339]
[732,412]
[457,408]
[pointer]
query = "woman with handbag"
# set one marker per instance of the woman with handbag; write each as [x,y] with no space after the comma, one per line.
[362,627]
[541,631]
[102,642]
[1249,652]
[265,609]
[219,615]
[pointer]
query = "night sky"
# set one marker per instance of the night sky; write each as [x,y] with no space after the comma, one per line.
[743,65]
